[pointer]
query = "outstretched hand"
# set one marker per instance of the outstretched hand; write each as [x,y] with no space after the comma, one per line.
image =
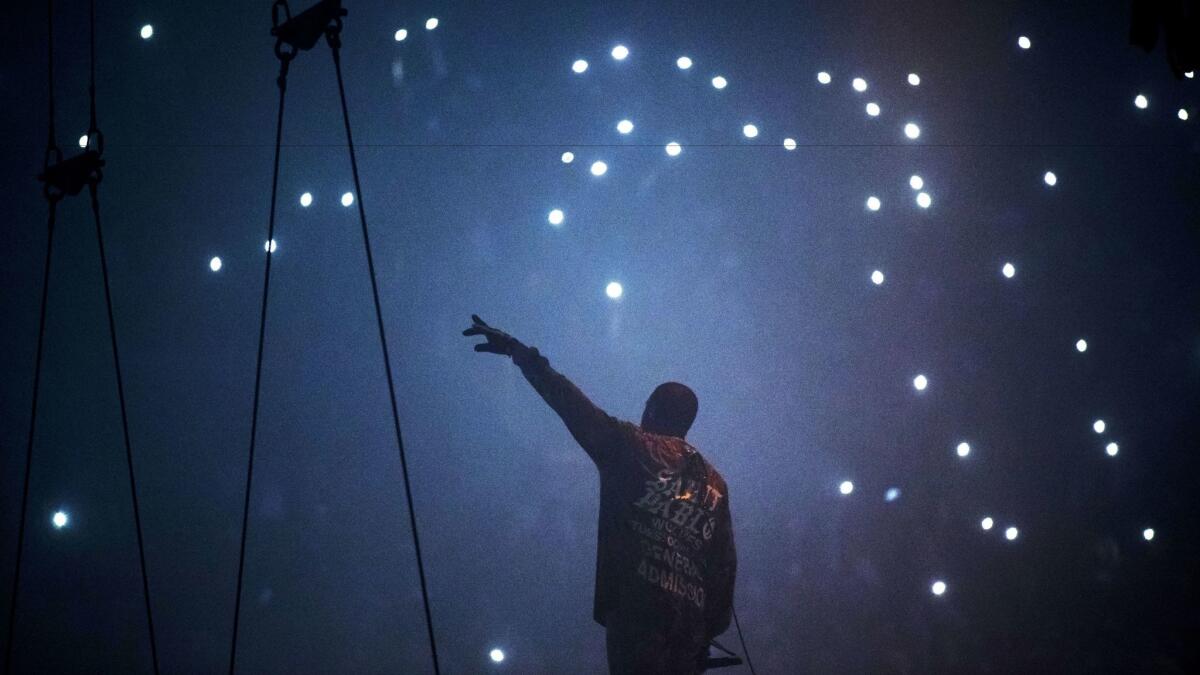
[498,342]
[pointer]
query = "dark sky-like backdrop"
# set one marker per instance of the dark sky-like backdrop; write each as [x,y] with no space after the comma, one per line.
[746,274]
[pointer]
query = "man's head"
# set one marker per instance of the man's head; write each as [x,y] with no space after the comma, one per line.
[670,410]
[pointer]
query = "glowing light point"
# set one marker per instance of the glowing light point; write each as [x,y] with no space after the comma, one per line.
[1112,449]
[873,203]
[1098,426]
[892,494]
[347,198]
[620,52]
[1024,42]
[824,78]
[846,487]
[719,82]
[859,84]
[674,148]
[1050,178]
[270,246]
[920,382]
[147,32]
[401,35]
[431,23]
[873,109]
[963,449]
[1183,114]
[914,79]
[306,199]
[1081,346]
[912,130]
[1011,533]
[1190,74]
[60,519]
[877,277]
[568,157]
[683,62]
[1148,534]
[916,182]
[750,131]
[1008,270]
[614,290]
[987,523]
[579,66]
[215,264]
[938,588]
[83,141]
[599,168]
[924,200]
[624,126]
[789,144]
[1141,102]
[496,655]
[555,217]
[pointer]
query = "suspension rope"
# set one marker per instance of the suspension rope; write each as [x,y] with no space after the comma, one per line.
[335,45]
[284,59]
[738,624]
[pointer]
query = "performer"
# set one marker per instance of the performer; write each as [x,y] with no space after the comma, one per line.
[665,559]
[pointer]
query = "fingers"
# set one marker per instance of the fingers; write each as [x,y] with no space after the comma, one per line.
[477,320]
[490,348]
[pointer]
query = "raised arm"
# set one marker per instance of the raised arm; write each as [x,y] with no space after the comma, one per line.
[597,432]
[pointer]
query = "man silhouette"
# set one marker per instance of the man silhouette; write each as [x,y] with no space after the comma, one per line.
[665,559]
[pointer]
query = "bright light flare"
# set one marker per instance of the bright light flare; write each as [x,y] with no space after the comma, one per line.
[270,246]
[924,200]
[719,82]
[938,588]
[568,157]
[824,77]
[599,168]
[555,217]
[614,290]
[859,84]
[496,655]
[914,79]
[347,198]
[683,63]
[1183,114]
[431,23]
[1024,42]
[306,199]
[1112,449]
[1050,178]
[1009,270]
[579,66]
[750,131]
[1098,426]
[401,35]
[789,144]
[1081,346]
[60,519]
[873,109]
[215,264]
[963,449]
[987,523]
[846,487]
[920,382]
[916,182]
[624,126]
[83,141]
[912,130]
[1148,534]
[1141,101]
[673,148]
[892,494]
[147,32]
[877,277]
[1011,533]
[873,203]
[620,52]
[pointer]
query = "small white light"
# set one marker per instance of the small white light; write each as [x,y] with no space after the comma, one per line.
[873,109]
[1098,426]
[987,523]
[824,78]
[914,79]
[750,131]
[859,84]
[916,182]
[1050,178]
[1024,43]
[270,246]
[83,141]
[1112,449]
[496,655]
[674,148]
[1081,346]
[892,494]
[555,217]
[624,126]
[306,199]
[683,62]
[1183,114]
[719,82]
[963,449]
[846,487]
[1141,101]
[924,200]
[877,277]
[431,23]
[1148,533]
[347,198]
[599,168]
[614,290]
[873,203]
[938,588]
[1190,74]
[789,144]
[147,32]
[1008,270]
[1011,533]
[60,519]
[401,35]
[920,382]
[579,66]
[620,52]
[215,264]
[912,130]
[568,157]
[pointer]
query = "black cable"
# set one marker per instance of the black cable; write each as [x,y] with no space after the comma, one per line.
[334,43]
[37,378]
[749,663]
[262,329]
